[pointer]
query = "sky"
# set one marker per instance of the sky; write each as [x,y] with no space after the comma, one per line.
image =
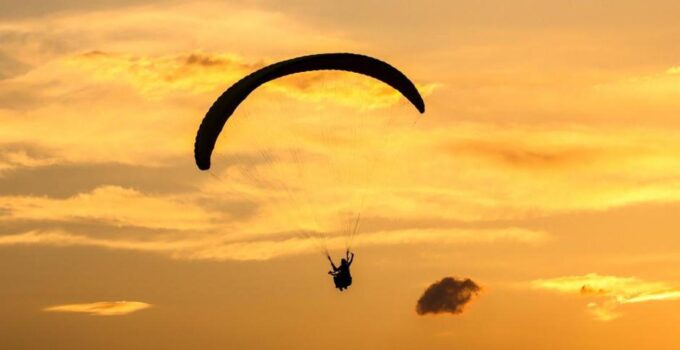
[543,174]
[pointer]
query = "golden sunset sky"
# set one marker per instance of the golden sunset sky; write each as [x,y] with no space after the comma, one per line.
[546,169]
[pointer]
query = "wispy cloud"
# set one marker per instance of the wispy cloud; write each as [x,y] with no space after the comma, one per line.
[146,87]
[158,76]
[220,248]
[656,86]
[101,308]
[15,155]
[199,72]
[518,154]
[610,292]
[110,204]
[587,168]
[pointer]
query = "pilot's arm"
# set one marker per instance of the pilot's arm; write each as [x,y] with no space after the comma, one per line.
[333,265]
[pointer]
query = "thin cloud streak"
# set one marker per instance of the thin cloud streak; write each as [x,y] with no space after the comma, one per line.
[101,308]
[199,72]
[610,291]
[110,204]
[221,249]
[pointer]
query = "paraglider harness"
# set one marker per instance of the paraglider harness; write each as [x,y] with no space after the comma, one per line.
[341,275]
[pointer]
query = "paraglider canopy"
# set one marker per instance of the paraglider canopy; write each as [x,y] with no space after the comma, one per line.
[226,104]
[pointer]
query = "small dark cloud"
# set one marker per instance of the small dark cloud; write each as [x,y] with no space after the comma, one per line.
[449,295]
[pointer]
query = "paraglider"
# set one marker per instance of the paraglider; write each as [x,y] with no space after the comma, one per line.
[223,108]
[341,275]
[225,105]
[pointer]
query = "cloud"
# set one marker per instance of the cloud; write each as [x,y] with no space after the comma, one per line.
[450,295]
[63,239]
[270,248]
[654,93]
[101,308]
[23,155]
[222,247]
[610,292]
[158,76]
[40,177]
[175,25]
[110,204]
[199,72]
[673,70]
[42,8]
[139,102]
[71,96]
[478,172]
[586,167]
[10,67]
[454,236]
[517,154]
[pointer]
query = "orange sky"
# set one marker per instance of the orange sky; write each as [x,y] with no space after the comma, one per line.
[544,169]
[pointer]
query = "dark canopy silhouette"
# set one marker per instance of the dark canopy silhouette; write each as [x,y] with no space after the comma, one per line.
[226,104]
